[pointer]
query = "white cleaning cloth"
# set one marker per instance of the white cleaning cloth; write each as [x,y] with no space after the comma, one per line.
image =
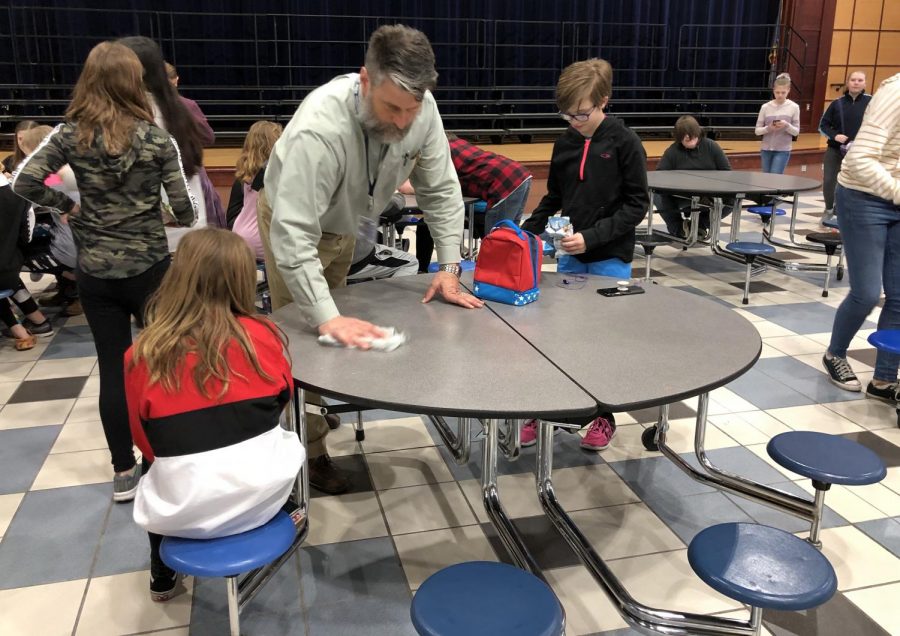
[389,342]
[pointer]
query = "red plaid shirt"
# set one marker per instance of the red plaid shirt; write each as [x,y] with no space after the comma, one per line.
[484,174]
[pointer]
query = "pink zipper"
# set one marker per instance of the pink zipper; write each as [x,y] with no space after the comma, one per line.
[587,143]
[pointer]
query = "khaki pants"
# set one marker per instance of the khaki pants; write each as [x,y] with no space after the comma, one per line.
[336,255]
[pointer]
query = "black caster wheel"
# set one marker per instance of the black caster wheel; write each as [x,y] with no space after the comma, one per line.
[360,436]
[840,273]
[648,439]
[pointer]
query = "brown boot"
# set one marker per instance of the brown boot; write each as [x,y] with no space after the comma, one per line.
[72,308]
[326,477]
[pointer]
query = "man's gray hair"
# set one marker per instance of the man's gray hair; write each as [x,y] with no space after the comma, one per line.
[404,55]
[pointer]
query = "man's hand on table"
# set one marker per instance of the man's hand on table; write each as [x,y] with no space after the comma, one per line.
[447,285]
[352,332]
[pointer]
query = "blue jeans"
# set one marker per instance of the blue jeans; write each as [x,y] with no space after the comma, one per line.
[870,229]
[509,208]
[613,267]
[774,161]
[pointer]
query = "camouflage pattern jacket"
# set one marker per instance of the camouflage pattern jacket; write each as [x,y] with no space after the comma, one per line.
[119,230]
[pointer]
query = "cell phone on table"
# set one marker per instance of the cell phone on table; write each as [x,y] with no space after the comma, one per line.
[620,291]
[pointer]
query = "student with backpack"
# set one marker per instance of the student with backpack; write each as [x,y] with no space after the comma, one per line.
[206,382]
[598,178]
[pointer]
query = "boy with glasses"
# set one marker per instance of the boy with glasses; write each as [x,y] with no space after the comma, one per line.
[598,178]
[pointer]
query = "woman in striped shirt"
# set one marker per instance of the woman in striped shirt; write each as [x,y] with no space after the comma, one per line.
[868,204]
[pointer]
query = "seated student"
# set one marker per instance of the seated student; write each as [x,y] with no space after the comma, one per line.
[205,383]
[692,150]
[10,162]
[372,261]
[59,256]
[598,178]
[499,181]
[249,174]
[16,221]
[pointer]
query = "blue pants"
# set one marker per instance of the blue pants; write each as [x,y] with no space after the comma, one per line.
[870,229]
[613,267]
[774,161]
[509,208]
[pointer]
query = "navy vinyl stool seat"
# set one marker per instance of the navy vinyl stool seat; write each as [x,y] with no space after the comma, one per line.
[831,241]
[763,567]
[749,251]
[6,293]
[650,242]
[484,598]
[825,459]
[765,211]
[230,556]
[887,340]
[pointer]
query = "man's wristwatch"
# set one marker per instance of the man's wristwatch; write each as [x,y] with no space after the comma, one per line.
[452,268]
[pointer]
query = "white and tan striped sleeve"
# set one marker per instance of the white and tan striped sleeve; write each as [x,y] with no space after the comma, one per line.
[873,163]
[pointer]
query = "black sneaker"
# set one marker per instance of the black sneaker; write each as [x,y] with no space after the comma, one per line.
[887,394]
[840,373]
[41,330]
[163,581]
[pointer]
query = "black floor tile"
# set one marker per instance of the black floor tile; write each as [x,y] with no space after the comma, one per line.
[866,356]
[889,453]
[546,545]
[837,617]
[357,473]
[759,286]
[41,390]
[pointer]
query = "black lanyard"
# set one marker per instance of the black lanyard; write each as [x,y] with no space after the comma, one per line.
[369,178]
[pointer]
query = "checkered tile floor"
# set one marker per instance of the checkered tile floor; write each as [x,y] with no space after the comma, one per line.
[72,562]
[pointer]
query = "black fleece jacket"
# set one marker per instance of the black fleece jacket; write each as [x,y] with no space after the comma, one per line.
[600,183]
[843,117]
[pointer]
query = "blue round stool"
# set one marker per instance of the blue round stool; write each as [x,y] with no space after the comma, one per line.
[483,598]
[749,251]
[6,293]
[230,556]
[765,211]
[887,340]
[831,241]
[763,567]
[826,459]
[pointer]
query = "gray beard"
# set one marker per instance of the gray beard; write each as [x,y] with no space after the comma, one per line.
[378,130]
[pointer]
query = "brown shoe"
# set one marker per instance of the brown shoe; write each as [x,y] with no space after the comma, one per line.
[326,477]
[73,308]
[333,420]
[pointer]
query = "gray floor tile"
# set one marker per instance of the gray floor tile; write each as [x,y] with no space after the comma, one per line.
[567,452]
[472,470]
[362,615]
[837,617]
[22,453]
[686,516]
[657,477]
[889,453]
[276,609]
[124,546]
[340,572]
[884,531]
[802,318]
[740,461]
[54,535]
[765,392]
[769,516]
[804,379]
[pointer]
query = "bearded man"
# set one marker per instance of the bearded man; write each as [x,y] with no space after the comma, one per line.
[350,144]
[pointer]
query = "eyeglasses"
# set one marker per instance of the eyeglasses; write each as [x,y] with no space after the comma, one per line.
[577,116]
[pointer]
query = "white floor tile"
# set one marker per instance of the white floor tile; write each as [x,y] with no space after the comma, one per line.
[74,469]
[28,414]
[588,609]
[409,467]
[428,507]
[815,417]
[880,603]
[424,553]
[858,560]
[396,434]
[52,607]
[345,518]
[64,368]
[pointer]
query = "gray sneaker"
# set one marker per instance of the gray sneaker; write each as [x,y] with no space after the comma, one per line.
[125,485]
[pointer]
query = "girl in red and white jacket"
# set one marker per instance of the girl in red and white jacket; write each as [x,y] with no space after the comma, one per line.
[206,382]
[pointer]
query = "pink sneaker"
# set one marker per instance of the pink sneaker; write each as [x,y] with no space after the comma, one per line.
[529,433]
[599,435]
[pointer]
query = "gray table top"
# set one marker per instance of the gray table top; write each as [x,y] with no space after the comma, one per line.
[727,182]
[566,356]
[640,350]
[457,361]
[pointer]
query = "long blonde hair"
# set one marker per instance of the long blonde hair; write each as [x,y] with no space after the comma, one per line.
[109,97]
[257,147]
[211,282]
